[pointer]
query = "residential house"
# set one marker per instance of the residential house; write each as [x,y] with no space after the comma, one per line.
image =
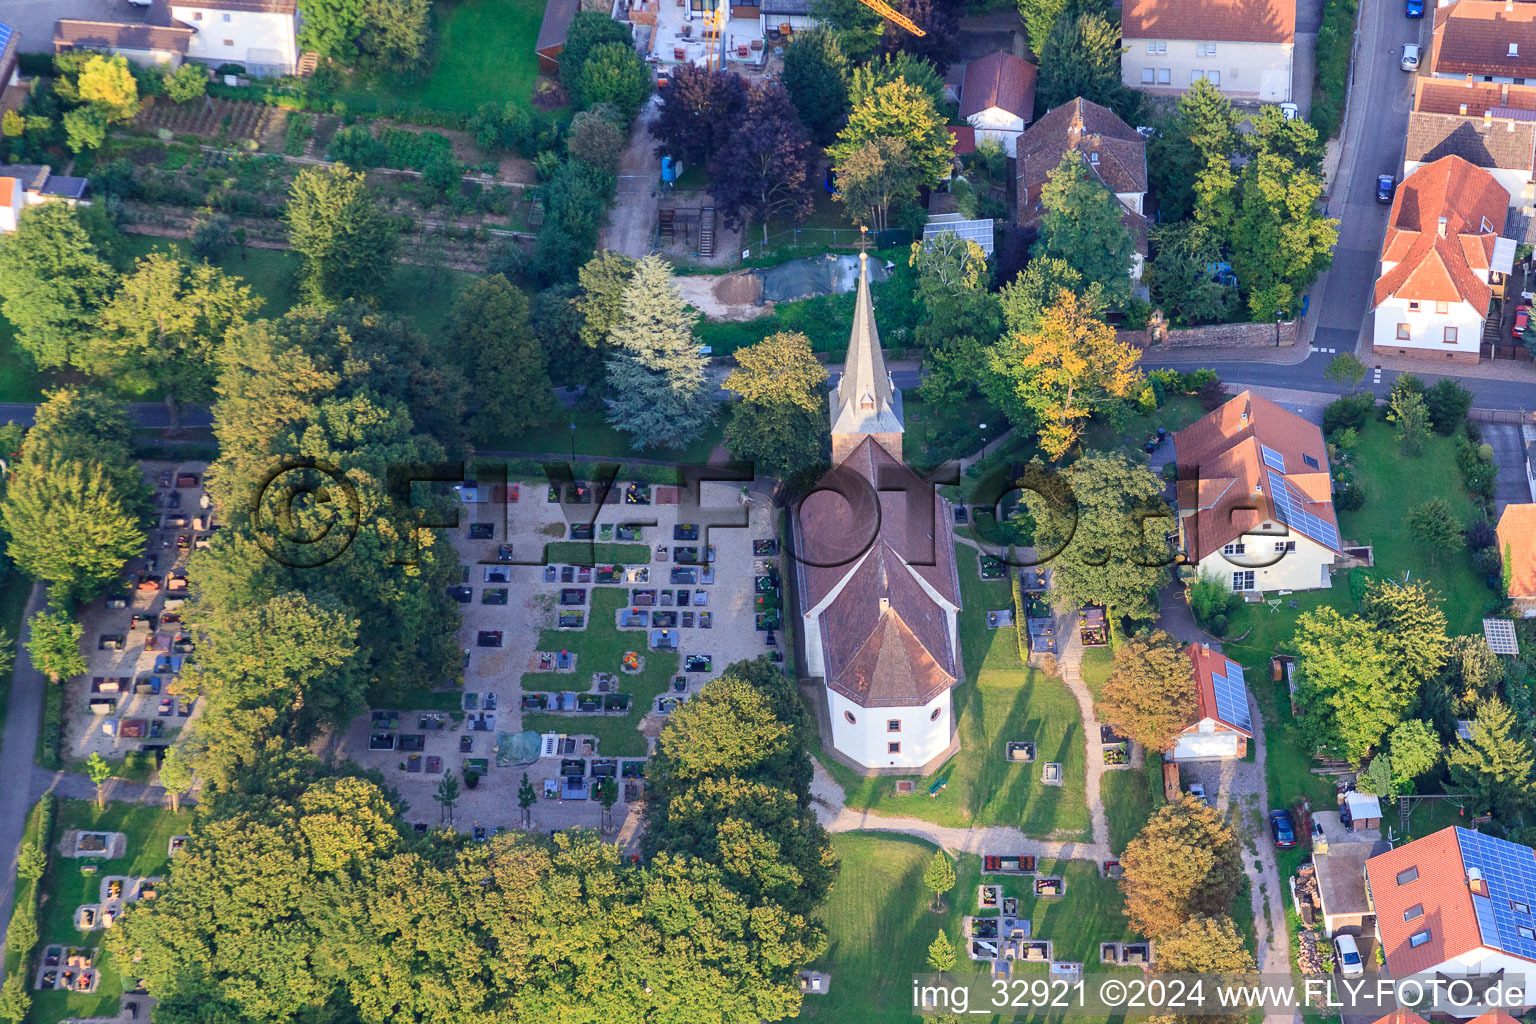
[1255,498]
[1491,125]
[261,36]
[1340,872]
[997,97]
[1243,47]
[1114,151]
[1438,267]
[1223,725]
[1489,40]
[1455,903]
[1517,547]
[553,30]
[10,42]
[24,185]
[879,619]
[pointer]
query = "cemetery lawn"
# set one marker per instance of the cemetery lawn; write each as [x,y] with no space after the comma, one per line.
[600,648]
[1002,699]
[149,830]
[879,925]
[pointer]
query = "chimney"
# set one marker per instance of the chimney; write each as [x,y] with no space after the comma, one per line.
[1442,227]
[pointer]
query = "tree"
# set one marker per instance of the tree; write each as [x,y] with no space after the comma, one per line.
[597,137]
[1150,696]
[186,83]
[1346,369]
[72,524]
[941,952]
[54,280]
[99,772]
[604,279]
[346,242]
[1415,750]
[1204,945]
[1081,58]
[939,878]
[699,111]
[15,1003]
[1100,525]
[1061,374]
[447,795]
[764,170]
[780,422]
[816,74]
[590,30]
[53,644]
[1184,863]
[1448,403]
[612,73]
[1495,763]
[493,345]
[656,374]
[899,110]
[164,327]
[1436,528]
[175,776]
[107,84]
[1082,225]
[1408,411]
[526,798]
[1180,279]
[875,176]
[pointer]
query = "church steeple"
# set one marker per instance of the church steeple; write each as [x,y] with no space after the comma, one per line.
[866,402]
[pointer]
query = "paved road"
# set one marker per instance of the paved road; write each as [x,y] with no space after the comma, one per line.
[17,746]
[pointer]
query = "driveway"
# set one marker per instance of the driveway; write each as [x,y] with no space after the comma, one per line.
[1509,455]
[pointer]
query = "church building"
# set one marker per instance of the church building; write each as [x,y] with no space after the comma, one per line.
[878,586]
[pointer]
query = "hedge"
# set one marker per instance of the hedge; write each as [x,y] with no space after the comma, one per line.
[1335,43]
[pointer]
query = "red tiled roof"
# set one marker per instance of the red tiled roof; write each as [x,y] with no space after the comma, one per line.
[1208,663]
[1517,541]
[1436,266]
[1440,888]
[1474,37]
[1223,481]
[1230,21]
[999,80]
[1443,96]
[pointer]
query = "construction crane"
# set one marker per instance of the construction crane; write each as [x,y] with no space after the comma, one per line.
[892,15]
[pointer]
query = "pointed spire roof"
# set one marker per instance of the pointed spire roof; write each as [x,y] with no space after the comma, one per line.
[866,400]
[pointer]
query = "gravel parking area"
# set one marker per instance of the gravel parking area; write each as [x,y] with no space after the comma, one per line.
[135,644]
[464,735]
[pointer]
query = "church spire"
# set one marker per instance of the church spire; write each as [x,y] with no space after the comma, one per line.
[866,402]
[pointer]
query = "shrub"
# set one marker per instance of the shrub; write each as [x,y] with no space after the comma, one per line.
[1351,411]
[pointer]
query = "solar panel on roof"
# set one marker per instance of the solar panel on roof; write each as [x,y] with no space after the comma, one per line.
[1272,458]
[1291,507]
[1509,871]
[1232,697]
[1500,635]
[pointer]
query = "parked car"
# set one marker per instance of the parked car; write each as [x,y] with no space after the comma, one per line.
[1410,61]
[1282,829]
[1347,956]
[1386,185]
[1413,8]
[1522,318]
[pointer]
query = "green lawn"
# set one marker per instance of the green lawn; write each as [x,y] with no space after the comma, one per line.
[879,925]
[482,52]
[600,648]
[1002,700]
[149,830]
